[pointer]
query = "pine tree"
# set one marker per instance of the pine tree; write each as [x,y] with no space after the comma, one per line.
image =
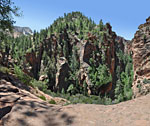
[101,25]
[7,9]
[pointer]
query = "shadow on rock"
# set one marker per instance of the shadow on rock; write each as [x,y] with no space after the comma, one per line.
[4,111]
[36,113]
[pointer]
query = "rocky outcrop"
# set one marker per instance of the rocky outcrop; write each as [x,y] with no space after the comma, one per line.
[10,84]
[86,49]
[19,107]
[62,74]
[107,48]
[60,48]
[124,45]
[43,77]
[141,59]
[35,61]
[18,31]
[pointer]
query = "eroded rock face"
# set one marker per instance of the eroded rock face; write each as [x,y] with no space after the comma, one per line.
[35,62]
[62,74]
[107,48]
[141,59]
[59,49]
[86,50]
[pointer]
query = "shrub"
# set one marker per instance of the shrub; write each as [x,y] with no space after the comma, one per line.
[52,101]
[28,80]
[39,84]
[4,69]
[99,76]
[42,97]
[123,90]
[146,81]
[92,99]
[22,76]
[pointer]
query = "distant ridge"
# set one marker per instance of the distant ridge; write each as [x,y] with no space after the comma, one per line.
[18,31]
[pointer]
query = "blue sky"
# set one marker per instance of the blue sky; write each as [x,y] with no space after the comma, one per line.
[124,15]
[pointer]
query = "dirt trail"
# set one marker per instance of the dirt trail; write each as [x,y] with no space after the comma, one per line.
[21,108]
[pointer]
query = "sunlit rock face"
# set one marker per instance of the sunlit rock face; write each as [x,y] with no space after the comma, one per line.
[18,31]
[85,48]
[141,59]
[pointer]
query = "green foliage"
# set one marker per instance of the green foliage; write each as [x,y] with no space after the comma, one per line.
[139,86]
[42,97]
[7,9]
[4,69]
[62,39]
[39,84]
[73,74]
[92,99]
[99,75]
[101,26]
[123,90]
[74,22]
[52,101]
[70,88]
[146,81]
[22,76]
[81,98]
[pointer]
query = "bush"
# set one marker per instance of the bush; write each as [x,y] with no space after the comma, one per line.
[123,90]
[80,98]
[4,69]
[146,81]
[52,101]
[42,97]
[39,84]
[99,76]
[22,76]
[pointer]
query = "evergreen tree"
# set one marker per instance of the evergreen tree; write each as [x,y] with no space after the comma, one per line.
[101,25]
[98,75]
[7,9]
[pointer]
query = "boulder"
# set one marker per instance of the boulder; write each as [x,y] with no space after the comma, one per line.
[43,77]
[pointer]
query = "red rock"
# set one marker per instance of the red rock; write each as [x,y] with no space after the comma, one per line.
[141,58]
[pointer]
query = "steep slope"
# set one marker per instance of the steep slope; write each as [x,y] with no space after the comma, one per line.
[75,56]
[141,59]
[21,108]
[73,45]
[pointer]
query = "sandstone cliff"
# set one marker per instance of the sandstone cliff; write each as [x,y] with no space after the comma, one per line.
[75,55]
[54,47]
[141,59]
